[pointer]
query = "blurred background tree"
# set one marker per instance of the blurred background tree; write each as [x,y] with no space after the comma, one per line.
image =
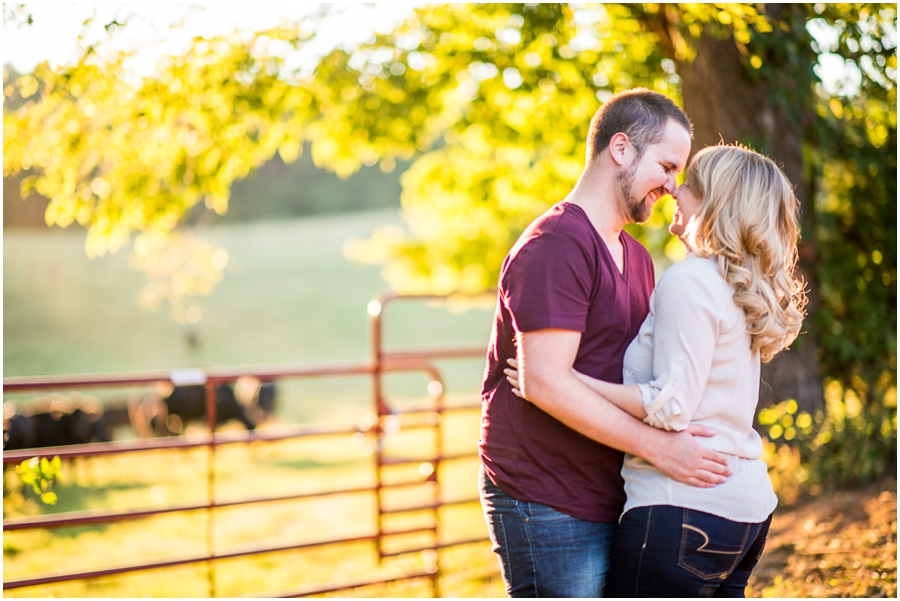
[491,105]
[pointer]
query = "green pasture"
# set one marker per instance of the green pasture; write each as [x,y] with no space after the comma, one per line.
[289,298]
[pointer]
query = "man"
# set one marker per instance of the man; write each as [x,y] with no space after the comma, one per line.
[573,293]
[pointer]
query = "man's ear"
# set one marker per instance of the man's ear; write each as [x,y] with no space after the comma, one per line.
[620,149]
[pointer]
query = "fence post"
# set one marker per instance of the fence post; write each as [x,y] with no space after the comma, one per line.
[211,486]
[375,311]
[436,391]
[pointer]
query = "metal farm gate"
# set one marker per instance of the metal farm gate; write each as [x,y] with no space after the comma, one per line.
[382,362]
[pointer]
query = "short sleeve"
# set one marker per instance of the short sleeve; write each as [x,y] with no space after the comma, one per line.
[685,330]
[549,283]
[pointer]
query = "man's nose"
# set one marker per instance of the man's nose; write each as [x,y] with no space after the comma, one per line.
[671,185]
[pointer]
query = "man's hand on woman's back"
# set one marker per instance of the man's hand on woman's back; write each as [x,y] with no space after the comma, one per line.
[685,460]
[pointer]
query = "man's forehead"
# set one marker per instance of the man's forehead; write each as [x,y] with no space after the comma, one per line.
[675,145]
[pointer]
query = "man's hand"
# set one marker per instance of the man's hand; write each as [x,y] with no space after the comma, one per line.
[688,462]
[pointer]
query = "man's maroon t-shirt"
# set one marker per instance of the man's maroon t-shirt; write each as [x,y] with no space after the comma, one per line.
[560,274]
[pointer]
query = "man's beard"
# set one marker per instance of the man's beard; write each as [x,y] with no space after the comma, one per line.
[635,208]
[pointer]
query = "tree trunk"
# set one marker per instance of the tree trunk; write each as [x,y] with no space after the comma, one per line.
[725,103]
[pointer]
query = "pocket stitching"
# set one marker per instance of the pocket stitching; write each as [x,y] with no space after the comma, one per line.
[706,542]
[717,575]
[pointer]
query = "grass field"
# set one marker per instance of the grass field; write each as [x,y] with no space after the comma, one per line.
[288,296]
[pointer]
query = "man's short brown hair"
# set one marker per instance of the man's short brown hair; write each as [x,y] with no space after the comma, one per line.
[639,113]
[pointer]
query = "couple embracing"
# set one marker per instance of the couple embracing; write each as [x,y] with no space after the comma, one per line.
[617,443]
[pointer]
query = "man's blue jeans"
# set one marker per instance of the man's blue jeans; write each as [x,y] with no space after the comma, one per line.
[666,551]
[545,553]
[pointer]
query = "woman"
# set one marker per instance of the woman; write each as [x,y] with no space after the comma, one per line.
[731,304]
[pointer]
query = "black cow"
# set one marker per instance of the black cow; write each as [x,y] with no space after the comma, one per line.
[188,403]
[265,397]
[83,427]
[53,428]
[19,433]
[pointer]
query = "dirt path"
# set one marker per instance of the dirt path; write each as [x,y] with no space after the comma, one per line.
[839,544]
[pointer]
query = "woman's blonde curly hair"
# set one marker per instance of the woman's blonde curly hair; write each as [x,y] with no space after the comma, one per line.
[748,219]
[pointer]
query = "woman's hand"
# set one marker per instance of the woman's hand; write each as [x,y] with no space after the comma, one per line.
[512,376]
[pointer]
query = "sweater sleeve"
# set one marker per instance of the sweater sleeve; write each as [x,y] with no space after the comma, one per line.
[685,331]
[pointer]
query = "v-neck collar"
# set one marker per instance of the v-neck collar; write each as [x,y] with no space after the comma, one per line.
[605,246]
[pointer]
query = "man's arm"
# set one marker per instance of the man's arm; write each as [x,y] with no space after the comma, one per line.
[626,397]
[545,364]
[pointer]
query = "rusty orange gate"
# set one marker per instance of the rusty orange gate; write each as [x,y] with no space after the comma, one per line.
[382,362]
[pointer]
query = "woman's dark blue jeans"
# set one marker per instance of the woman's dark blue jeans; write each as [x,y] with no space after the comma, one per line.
[665,551]
[545,553]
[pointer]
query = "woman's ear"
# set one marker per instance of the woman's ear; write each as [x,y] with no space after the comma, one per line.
[620,149]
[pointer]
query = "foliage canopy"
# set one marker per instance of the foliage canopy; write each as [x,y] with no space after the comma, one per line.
[493,99]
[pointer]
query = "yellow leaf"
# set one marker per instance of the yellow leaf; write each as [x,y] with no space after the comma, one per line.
[836,107]
[289,151]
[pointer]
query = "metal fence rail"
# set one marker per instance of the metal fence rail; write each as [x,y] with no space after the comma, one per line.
[382,362]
